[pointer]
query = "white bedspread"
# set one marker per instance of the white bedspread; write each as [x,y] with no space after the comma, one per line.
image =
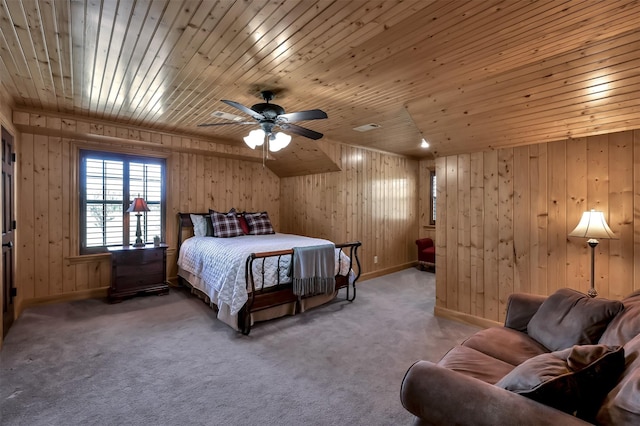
[220,263]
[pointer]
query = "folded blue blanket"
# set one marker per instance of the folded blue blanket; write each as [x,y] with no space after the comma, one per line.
[314,270]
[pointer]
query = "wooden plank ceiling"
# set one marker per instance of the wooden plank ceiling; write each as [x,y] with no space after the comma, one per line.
[467,75]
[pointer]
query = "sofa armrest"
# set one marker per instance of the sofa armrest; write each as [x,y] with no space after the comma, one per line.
[424,243]
[520,308]
[441,396]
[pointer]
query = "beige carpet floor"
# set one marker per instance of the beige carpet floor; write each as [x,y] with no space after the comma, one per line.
[166,360]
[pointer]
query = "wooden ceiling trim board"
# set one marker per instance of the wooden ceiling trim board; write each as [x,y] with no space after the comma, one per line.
[153,56]
[540,106]
[11,74]
[88,48]
[78,52]
[557,92]
[35,32]
[273,17]
[557,130]
[577,54]
[14,35]
[230,77]
[252,65]
[437,45]
[220,78]
[196,66]
[382,78]
[133,73]
[535,36]
[487,81]
[550,105]
[183,51]
[574,114]
[305,42]
[588,129]
[381,48]
[517,87]
[108,49]
[64,45]
[453,71]
[355,29]
[51,42]
[124,36]
[239,15]
[152,82]
[572,63]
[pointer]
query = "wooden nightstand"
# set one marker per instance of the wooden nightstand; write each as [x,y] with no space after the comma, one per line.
[137,270]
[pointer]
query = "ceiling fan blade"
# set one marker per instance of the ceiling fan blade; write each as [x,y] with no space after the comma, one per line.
[244,109]
[226,123]
[302,131]
[312,114]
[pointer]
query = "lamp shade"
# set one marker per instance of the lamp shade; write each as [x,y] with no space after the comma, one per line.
[138,205]
[278,141]
[255,138]
[593,225]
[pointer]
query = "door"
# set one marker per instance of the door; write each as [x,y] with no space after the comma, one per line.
[8,234]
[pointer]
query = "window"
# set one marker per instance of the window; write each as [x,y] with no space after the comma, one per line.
[432,219]
[108,184]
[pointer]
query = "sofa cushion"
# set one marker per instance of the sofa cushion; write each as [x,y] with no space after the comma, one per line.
[622,405]
[626,325]
[505,344]
[472,363]
[573,380]
[569,318]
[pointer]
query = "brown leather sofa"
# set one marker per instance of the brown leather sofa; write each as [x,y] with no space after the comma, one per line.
[565,359]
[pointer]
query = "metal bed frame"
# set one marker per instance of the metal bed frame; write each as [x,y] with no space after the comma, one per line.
[261,297]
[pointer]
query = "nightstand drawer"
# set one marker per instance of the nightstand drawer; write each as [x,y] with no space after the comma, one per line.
[138,257]
[137,270]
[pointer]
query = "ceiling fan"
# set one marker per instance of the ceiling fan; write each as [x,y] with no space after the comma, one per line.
[271,116]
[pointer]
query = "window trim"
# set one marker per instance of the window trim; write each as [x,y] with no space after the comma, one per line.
[432,197]
[83,151]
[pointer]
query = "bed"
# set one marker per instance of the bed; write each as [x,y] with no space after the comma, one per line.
[249,278]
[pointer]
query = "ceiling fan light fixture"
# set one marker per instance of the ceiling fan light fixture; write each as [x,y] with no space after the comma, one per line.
[278,140]
[254,138]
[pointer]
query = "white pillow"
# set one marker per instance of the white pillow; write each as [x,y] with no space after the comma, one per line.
[199,225]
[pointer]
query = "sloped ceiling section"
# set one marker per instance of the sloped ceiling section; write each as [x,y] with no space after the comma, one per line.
[303,158]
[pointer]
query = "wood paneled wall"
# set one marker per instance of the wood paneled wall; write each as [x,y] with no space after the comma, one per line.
[48,264]
[374,199]
[504,217]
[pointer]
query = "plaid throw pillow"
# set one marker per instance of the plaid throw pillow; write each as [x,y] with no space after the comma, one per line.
[259,223]
[241,220]
[225,225]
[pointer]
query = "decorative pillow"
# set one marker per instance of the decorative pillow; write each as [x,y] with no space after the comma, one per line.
[574,380]
[243,223]
[626,325]
[241,220]
[622,404]
[225,225]
[568,318]
[259,223]
[202,226]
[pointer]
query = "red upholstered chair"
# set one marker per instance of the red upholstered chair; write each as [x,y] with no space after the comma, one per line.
[426,252]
